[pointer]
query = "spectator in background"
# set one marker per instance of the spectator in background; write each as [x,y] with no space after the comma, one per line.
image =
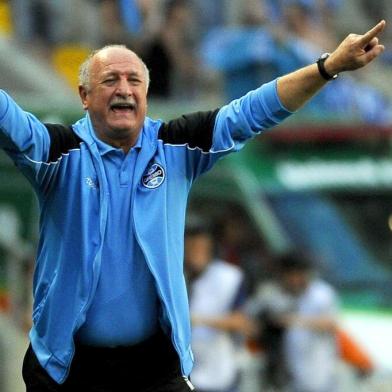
[246,12]
[216,294]
[131,22]
[43,24]
[231,49]
[296,317]
[169,54]
[210,14]
[290,34]
[239,243]
[310,21]
[34,22]
[112,21]
[161,31]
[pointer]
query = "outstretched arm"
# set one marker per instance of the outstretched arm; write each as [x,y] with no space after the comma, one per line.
[24,138]
[355,51]
[235,321]
[210,135]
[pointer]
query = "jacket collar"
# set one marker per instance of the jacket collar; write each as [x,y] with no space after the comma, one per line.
[147,139]
[105,148]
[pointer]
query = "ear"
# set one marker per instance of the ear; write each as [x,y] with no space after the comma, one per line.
[83,96]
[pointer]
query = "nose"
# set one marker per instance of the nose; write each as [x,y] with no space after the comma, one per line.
[123,88]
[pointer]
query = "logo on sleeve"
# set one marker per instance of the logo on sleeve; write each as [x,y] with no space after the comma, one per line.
[154,177]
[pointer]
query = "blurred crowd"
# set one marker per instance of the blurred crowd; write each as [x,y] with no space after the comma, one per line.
[196,48]
[280,310]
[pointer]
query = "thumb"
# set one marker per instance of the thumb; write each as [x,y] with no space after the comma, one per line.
[372,53]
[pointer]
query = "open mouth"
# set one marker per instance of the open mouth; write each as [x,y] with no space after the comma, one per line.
[123,107]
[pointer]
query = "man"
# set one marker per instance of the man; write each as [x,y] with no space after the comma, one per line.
[216,294]
[110,305]
[297,317]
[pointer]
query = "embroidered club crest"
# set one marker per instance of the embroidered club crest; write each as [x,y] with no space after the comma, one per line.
[154,177]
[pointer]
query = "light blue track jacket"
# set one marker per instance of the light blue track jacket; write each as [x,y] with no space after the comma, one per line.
[65,168]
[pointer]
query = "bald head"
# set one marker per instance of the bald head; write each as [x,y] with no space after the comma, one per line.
[113,89]
[104,52]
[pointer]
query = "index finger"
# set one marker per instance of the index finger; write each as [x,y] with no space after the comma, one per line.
[367,37]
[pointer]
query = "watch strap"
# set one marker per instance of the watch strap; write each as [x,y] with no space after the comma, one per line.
[321,67]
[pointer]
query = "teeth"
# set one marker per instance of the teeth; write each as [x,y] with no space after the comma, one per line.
[123,105]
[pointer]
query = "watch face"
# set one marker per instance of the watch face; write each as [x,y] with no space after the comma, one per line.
[321,67]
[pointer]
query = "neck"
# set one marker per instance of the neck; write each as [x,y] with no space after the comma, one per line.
[125,143]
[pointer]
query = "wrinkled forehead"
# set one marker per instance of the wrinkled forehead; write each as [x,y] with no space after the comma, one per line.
[116,60]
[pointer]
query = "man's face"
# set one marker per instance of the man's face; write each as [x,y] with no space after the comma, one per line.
[116,97]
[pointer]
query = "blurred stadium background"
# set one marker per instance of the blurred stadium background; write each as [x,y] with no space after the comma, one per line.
[321,182]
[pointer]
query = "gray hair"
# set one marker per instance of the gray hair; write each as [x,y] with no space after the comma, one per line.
[84,69]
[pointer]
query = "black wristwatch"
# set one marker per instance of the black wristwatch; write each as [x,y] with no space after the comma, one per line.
[321,67]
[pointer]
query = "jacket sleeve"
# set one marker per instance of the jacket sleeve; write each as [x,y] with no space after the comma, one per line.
[213,134]
[23,137]
[246,117]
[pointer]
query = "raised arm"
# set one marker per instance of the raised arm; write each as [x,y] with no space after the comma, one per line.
[355,51]
[24,138]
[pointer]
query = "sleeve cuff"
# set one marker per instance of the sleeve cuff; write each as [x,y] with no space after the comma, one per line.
[271,97]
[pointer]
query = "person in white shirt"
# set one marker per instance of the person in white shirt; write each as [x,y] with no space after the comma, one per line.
[216,293]
[297,316]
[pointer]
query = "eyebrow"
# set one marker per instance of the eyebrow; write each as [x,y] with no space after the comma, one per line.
[114,73]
